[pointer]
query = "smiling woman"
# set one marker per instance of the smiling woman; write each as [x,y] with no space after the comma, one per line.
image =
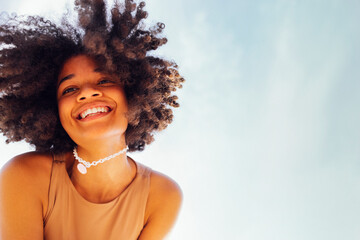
[92,106]
[84,95]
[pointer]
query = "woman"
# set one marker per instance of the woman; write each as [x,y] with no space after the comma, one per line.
[83,96]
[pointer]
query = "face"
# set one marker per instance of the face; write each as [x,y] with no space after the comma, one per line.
[92,106]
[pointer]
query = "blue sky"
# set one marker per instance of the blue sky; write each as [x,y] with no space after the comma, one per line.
[266,142]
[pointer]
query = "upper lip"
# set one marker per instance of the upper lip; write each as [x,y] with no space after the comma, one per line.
[91,105]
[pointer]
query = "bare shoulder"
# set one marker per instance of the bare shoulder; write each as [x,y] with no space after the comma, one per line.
[164,187]
[31,165]
[164,202]
[28,173]
[24,183]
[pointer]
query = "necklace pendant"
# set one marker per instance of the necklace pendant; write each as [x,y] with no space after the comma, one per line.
[82,169]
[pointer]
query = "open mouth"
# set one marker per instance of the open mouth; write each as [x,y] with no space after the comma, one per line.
[93,111]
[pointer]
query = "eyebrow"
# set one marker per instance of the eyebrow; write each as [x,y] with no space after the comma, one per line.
[99,70]
[66,78]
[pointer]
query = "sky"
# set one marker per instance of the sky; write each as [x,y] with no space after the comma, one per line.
[265,145]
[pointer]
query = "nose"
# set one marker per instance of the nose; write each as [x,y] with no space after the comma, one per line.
[88,92]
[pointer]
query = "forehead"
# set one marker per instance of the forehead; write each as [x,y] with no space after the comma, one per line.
[78,65]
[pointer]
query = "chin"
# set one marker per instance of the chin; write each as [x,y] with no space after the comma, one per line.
[98,133]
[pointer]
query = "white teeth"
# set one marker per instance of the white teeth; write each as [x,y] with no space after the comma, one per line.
[93,110]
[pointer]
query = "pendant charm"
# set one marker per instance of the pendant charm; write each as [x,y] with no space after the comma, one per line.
[82,169]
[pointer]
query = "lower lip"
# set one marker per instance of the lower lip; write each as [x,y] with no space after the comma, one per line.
[95,116]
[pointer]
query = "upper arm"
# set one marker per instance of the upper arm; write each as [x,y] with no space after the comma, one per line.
[21,199]
[164,202]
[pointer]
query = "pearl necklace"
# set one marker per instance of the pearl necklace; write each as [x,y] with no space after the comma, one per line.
[84,165]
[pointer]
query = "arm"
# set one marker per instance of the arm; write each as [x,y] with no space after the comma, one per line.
[21,201]
[164,202]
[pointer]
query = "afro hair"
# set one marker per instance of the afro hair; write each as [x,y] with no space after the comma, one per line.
[33,50]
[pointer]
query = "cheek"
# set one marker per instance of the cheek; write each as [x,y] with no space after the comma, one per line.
[123,105]
[122,101]
[122,108]
[63,111]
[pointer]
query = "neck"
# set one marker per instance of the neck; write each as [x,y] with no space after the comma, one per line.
[98,149]
[103,181]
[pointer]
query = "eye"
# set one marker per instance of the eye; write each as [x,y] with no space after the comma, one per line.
[105,81]
[68,90]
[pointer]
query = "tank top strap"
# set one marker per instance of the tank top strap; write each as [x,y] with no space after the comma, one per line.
[55,178]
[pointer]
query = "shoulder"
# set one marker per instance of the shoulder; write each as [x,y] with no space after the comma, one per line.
[164,202]
[27,175]
[24,183]
[163,186]
[32,165]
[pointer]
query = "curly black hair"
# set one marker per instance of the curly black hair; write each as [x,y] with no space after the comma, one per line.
[33,50]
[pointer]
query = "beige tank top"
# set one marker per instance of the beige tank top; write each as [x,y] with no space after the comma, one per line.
[71,217]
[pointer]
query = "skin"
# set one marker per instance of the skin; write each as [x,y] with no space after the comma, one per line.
[24,180]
